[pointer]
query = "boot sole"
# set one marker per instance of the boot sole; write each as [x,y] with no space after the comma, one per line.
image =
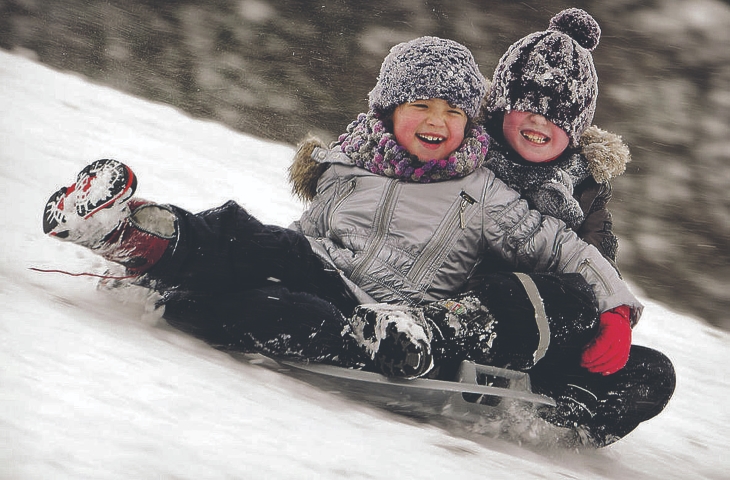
[119,179]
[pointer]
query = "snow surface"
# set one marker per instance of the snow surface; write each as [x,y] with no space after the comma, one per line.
[95,385]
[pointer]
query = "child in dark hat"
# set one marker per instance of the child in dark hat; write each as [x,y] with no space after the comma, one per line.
[401,214]
[538,111]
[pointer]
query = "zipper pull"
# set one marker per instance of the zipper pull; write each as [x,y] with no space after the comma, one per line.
[466,200]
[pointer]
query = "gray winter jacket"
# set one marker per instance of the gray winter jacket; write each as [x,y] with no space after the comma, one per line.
[411,243]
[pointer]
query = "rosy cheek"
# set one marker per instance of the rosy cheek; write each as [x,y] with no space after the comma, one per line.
[403,132]
[454,143]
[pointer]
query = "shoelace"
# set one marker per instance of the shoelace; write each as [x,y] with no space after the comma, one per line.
[82,274]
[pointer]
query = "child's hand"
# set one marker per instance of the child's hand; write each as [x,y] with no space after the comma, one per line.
[609,351]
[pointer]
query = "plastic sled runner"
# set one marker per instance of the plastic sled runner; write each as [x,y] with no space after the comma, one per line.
[478,391]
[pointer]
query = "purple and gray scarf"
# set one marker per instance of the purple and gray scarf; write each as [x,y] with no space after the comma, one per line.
[373,148]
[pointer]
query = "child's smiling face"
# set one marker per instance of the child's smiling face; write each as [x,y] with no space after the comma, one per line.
[533,137]
[429,129]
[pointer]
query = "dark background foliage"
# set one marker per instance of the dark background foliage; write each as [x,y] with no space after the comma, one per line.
[280,69]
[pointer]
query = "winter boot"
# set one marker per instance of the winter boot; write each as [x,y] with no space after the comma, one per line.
[576,406]
[97,212]
[397,338]
[571,420]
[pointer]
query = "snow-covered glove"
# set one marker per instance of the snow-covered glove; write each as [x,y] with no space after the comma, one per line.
[609,351]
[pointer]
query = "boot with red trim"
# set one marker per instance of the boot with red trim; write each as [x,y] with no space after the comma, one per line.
[98,212]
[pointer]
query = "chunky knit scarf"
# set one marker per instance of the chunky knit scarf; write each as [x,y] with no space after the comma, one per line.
[373,148]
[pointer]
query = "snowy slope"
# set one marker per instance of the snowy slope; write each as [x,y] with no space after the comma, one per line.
[94,385]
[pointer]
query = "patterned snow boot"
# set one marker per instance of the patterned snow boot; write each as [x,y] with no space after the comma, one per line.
[397,338]
[97,212]
[463,329]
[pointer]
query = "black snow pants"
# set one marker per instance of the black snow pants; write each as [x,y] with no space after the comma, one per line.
[244,286]
[540,324]
[241,285]
[634,394]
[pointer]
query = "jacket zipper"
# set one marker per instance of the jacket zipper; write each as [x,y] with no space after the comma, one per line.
[386,213]
[350,188]
[427,256]
[587,265]
[466,200]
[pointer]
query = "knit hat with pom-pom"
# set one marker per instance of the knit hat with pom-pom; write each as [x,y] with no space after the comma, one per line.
[429,67]
[551,73]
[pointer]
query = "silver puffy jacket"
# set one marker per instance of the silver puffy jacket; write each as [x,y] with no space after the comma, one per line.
[410,243]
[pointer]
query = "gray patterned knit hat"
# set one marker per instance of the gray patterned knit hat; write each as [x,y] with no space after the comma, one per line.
[429,67]
[551,73]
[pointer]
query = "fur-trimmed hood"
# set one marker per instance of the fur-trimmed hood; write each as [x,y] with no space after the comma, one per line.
[304,172]
[606,153]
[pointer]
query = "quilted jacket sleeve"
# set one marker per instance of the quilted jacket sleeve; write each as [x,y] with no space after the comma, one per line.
[534,243]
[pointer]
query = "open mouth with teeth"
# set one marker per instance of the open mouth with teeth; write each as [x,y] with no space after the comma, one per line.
[535,137]
[431,139]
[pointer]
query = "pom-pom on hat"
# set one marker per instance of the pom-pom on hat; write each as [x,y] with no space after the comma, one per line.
[429,67]
[551,73]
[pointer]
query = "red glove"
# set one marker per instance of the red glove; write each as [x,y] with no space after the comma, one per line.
[609,351]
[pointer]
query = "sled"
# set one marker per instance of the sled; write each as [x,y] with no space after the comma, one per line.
[478,391]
